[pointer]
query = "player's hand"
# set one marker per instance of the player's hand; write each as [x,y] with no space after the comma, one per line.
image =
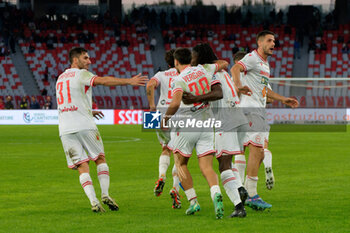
[138,80]
[245,90]
[98,114]
[188,98]
[291,102]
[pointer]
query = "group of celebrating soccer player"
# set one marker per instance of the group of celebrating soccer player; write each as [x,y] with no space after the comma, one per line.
[196,85]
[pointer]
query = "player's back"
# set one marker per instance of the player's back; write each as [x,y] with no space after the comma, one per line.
[74,100]
[196,80]
[164,79]
[226,109]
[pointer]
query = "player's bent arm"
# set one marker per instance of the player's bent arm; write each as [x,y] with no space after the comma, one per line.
[151,85]
[222,64]
[293,103]
[214,94]
[173,106]
[136,80]
[236,74]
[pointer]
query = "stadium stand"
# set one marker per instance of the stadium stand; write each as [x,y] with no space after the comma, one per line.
[107,59]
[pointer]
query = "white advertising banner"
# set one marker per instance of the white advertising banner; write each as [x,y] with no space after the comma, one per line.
[43,117]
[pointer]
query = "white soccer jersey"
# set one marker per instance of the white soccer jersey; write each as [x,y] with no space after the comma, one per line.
[74,101]
[164,79]
[196,80]
[226,108]
[256,77]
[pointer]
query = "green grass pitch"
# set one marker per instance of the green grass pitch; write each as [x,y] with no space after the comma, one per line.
[38,193]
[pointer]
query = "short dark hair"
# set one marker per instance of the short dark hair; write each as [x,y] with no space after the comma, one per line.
[263,34]
[183,55]
[239,55]
[205,54]
[76,52]
[169,58]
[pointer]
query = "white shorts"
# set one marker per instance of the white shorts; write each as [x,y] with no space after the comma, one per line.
[257,133]
[231,142]
[82,146]
[184,142]
[163,137]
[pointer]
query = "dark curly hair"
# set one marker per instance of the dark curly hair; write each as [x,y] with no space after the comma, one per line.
[169,58]
[203,54]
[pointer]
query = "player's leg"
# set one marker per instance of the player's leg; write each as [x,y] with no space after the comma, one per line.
[174,192]
[78,159]
[228,180]
[186,182]
[269,177]
[164,162]
[206,166]
[256,155]
[92,141]
[240,163]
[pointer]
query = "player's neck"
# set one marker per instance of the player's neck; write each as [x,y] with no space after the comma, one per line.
[182,67]
[261,53]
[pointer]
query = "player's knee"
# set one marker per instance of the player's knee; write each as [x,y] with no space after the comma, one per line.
[166,151]
[100,159]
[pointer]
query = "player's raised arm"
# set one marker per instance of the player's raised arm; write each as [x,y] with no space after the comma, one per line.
[222,64]
[291,102]
[151,85]
[236,75]
[136,80]
[214,94]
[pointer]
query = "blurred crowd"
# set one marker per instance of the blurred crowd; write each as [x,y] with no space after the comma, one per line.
[26,102]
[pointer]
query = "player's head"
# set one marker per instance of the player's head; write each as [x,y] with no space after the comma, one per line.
[169,58]
[203,54]
[266,41]
[182,56]
[238,56]
[79,58]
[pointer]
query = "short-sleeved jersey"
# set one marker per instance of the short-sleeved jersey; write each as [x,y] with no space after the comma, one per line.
[226,108]
[196,80]
[256,77]
[74,101]
[164,79]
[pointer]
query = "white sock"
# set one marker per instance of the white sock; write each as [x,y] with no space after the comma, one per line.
[86,183]
[191,195]
[213,190]
[103,177]
[268,158]
[238,179]
[164,162]
[241,165]
[176,180]
[251,184]
[227,179]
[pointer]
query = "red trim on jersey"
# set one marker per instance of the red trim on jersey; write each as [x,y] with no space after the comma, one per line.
[229,84]
[206,153]
[242,64]
[181,153]
[254,144]
[92,81]
[176,90]
[155,79]
[86,88]
[228,180]
[264,60]
[215,82]
[234,169]
[228,153]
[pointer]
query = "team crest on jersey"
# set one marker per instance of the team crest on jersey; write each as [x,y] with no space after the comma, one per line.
[162,102]
[264,80]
